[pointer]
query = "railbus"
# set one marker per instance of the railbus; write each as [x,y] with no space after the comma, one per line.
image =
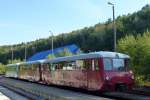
[96,71]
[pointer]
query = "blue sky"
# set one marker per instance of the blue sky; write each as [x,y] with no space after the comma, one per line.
[28,20]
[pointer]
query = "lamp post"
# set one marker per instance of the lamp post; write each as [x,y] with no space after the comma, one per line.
[114,24]
[52,43]
[25,53]
[12,54]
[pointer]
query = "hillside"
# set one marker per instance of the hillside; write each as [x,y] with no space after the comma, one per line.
[94,38]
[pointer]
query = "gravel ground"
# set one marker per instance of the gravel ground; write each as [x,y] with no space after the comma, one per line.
[6,94]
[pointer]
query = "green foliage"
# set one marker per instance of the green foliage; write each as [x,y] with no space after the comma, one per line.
[61,53]
[139,79]
[139,49]
[14,61]
[2,68]
[50,56]
[64,52]
[147,83]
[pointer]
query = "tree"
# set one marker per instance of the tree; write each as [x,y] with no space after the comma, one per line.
[139,49]
[14,61]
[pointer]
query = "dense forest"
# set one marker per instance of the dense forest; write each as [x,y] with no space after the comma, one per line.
[95,38]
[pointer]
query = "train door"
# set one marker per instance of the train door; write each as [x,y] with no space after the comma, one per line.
[40,72]
[93,75]
[17,71]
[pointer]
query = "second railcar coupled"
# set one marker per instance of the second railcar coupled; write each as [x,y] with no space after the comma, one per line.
[98,71]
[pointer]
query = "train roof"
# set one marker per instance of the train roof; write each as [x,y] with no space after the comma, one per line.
[31,62]
[9,65]
[75,57]
[104,54]
[26,63]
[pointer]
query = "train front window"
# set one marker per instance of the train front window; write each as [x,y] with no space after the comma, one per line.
[118,64]
[107,64]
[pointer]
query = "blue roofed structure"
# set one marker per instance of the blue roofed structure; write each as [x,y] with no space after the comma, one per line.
[58,52]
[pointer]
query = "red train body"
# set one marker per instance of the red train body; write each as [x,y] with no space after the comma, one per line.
[99,71]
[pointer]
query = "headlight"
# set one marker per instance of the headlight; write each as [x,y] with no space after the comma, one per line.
[107,78]
[132,77]
[131,72]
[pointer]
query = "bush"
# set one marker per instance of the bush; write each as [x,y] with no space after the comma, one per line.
[2,68]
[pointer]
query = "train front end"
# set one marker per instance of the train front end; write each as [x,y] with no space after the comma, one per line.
[117,75]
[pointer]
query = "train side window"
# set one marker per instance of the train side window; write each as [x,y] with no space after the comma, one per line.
[54,66]
[70,65]
[33,66]
[107,64]
[65,66]
[46,67]
[49,66]
[96,64]
[93,65]
[61,65]
[73,63]
[88,64]
[79,64]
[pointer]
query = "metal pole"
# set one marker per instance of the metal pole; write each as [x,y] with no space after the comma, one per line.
[25,54]
[62,43]
[52,43]
[12,54]
[114,25]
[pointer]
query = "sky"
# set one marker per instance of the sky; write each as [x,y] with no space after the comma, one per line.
[28,20]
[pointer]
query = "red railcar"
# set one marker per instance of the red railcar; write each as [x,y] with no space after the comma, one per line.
[98,71]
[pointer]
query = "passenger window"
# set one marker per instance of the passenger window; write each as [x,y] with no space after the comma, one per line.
[52,66]
[93,65]
[107,64]
[55,66]
[70,65]
[49,66]
[60,65]
[96,64]
[79,64]
[46,67]
[88,64]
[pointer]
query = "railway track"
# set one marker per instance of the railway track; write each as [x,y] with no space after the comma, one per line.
[7,94]
[141,91]
[126,96]
[47,92]
[38,91]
